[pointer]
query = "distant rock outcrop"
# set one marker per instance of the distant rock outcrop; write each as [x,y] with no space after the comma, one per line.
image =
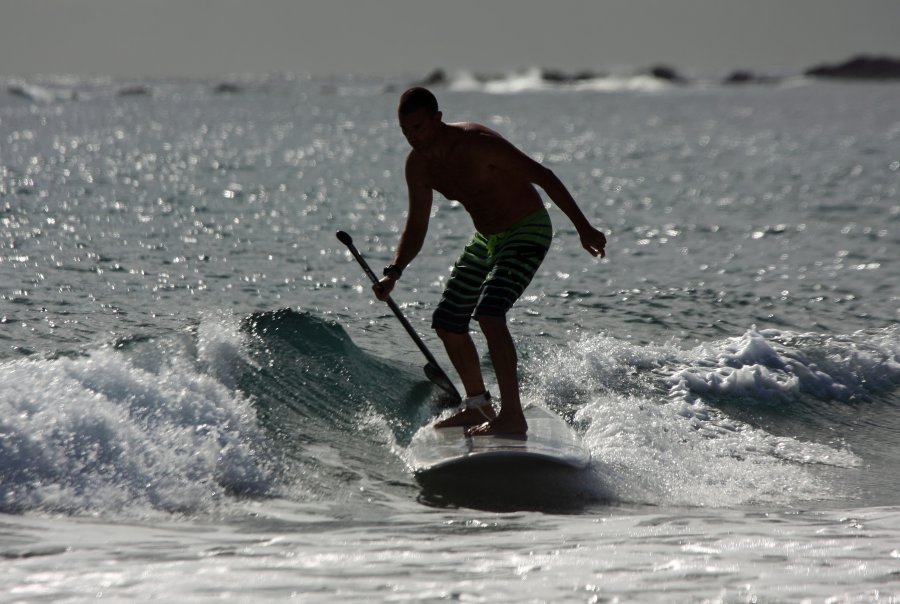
[438,77]
[863,67]
[228,88]
[748,77]
[41,94]
[555,76]
[664,72]
[136,90]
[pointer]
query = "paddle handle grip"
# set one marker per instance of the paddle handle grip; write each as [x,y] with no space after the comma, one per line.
[347,240]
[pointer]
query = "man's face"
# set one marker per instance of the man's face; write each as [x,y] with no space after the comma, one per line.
[420,128]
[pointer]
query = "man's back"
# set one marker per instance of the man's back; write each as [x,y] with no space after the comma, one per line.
[477,167]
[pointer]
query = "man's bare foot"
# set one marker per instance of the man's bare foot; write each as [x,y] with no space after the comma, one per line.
[474,410]
[501,425]
[468,417]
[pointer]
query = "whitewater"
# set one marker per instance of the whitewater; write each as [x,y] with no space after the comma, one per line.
[200,398]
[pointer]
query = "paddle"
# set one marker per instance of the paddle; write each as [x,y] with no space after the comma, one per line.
[432,370]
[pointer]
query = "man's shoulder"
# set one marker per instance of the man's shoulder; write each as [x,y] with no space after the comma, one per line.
[479,139]
[417,168]
[414,160]
[474,130]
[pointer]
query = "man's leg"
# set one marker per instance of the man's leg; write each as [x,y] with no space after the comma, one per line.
[511,419]
[515,258]
[464,356]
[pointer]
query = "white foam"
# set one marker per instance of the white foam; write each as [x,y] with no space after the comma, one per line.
[639,83]
[648,452]
[656,440]
[220,346]
[771,366]
[99,434]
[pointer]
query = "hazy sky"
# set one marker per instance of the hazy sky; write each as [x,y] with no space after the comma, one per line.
[213,37]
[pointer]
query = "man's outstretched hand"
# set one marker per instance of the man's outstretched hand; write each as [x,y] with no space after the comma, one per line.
[593,241]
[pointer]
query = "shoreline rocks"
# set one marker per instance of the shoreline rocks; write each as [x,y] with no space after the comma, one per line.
[863,67]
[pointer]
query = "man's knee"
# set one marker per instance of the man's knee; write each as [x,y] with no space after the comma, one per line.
[490,325]
[449,336]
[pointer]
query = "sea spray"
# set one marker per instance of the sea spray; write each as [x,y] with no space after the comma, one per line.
[655,440]
[98,434]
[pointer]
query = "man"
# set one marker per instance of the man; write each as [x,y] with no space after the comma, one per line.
[494,182]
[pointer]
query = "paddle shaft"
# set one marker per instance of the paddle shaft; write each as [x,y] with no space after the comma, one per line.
[434,372]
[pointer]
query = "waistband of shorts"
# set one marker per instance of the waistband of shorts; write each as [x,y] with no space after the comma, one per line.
[537,217]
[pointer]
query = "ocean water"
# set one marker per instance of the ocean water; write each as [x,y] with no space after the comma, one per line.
[201,400]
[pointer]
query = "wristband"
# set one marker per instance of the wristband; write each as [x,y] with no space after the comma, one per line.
[392,268]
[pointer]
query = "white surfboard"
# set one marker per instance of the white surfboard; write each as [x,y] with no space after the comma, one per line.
[549,441]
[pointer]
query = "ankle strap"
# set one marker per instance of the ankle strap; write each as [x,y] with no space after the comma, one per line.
[476,402]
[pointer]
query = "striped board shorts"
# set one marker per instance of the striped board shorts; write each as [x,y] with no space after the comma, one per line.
[492,272]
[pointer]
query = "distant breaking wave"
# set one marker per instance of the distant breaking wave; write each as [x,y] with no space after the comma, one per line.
[51,89]
[536,79]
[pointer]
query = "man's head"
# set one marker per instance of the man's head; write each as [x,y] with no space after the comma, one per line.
[420,118]
[416,99]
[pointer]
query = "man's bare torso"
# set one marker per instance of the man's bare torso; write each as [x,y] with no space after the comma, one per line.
[495,198]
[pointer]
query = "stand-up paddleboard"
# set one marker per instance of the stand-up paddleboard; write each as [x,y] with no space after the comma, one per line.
[549,442]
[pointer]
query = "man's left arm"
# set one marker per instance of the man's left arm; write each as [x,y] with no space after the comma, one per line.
[510,158]
[592,239]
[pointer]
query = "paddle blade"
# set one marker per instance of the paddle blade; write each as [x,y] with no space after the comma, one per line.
[439,378]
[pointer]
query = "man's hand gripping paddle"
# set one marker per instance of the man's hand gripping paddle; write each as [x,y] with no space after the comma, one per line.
[432,370]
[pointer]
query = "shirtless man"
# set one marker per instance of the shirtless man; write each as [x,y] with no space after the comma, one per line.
[494,182]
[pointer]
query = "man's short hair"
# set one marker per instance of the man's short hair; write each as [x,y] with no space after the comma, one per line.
[415,99]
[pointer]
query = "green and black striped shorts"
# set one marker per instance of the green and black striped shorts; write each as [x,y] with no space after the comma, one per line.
[493,271]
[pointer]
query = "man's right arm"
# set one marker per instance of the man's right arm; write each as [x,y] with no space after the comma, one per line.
[413,236]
